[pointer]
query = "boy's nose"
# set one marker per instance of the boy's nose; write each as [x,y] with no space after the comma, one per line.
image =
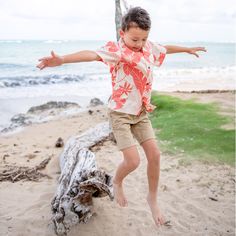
[138,44]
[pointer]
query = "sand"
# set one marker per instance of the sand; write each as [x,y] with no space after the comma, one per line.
[187,193]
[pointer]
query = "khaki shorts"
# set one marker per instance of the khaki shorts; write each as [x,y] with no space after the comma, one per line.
[126,127]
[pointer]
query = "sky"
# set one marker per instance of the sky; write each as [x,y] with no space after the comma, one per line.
[172,20]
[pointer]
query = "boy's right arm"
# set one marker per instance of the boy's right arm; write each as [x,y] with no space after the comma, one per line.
[56,60]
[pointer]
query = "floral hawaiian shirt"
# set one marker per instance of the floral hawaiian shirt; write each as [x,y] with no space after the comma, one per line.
[132,75]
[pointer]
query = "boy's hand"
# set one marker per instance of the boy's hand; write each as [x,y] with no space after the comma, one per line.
[53,60]
[195,50]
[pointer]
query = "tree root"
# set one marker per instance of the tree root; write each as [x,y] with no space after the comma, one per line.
[16,173]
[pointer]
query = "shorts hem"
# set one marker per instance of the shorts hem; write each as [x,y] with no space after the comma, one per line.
[140,143]
[127,146]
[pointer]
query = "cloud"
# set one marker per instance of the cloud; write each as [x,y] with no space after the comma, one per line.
[56,10]
[93,19]
[201,11]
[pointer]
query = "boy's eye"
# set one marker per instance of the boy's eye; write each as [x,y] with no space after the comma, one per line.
[135,40]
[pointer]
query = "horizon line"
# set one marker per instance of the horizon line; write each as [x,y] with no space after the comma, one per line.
[65,40]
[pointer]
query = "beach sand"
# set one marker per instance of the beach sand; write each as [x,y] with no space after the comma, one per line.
[186,192]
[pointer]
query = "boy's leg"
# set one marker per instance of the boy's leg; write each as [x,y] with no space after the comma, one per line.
[121,127]
[153,172]
[130,162]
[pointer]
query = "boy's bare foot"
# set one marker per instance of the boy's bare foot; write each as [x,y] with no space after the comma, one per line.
[156,213]
[119,194]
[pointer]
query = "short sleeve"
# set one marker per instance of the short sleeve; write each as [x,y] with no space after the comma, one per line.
[110,53]
[159,53]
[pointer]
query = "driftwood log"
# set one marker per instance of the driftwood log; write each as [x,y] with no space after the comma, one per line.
[80,180]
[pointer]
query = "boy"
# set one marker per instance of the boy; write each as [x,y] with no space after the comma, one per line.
[131,63]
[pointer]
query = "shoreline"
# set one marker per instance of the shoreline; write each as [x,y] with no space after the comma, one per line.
[5,122]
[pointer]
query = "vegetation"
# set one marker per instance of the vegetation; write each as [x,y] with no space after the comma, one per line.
[192,128]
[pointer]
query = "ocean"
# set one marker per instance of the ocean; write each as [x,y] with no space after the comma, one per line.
[22,85]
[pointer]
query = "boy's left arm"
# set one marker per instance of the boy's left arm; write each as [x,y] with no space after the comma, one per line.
[177,49]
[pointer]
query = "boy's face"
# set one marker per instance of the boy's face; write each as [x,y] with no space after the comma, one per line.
[134,38]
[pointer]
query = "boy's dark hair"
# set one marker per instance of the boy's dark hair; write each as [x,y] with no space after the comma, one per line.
[136,17]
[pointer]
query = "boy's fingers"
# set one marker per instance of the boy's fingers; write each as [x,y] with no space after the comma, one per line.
[194,53]
[44,58]
[41,65]
[201,49]
[53,54]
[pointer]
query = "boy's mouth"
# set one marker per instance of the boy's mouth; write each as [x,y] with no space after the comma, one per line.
[136,49]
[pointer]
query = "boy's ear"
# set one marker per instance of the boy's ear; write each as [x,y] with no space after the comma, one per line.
[121,33]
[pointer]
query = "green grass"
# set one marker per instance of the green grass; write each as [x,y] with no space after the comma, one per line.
[193,128]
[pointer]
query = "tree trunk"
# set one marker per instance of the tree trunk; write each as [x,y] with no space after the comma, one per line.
[80,180]
[118,18]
